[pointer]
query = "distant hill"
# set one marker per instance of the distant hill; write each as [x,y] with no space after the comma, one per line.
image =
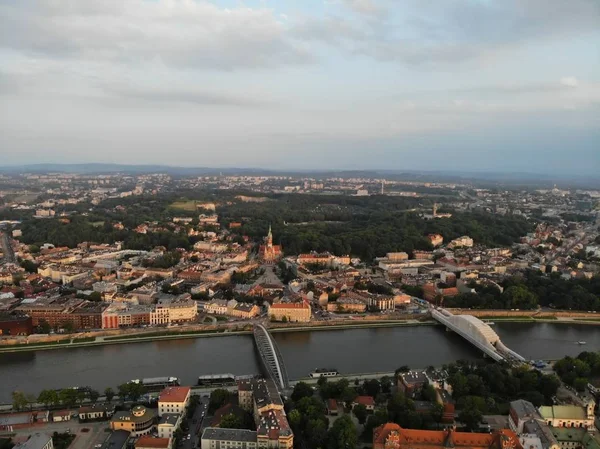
[483,179]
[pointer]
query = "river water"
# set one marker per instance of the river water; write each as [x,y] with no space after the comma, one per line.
[349,351]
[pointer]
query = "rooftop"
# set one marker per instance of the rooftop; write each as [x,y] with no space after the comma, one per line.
[153,442]
[216,433]
[36,441]
[562,412]
[524,409]
[174,394]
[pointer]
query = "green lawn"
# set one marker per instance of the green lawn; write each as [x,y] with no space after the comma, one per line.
[186,205]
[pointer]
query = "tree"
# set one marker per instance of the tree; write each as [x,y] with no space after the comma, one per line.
[580,383]
[48,397]
[360,411]
[44,327]
[371,387]
[230,421]
[386,384]
[95,296]
[68,397]
[316,432]
[93,395]
[342,434]
[19,400]
[29,266]
[109,394]
[81,396]
[470,415]
[301,390]
[218,398]
[68,326]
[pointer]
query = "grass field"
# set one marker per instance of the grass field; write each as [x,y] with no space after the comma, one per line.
[187,205]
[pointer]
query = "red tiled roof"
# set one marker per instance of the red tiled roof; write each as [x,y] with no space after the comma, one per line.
[174,394]
[365,400]
[151,442]
[443,438]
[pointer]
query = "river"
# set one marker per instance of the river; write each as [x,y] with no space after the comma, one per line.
[349,351]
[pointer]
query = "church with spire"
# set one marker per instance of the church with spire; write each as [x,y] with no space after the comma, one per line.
[269,253]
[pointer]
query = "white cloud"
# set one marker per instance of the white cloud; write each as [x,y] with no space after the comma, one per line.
[179,33]
[569,81]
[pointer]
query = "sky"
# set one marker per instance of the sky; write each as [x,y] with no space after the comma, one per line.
[476,85]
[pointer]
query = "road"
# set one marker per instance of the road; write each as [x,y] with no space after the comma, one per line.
[195,424]
[9,255]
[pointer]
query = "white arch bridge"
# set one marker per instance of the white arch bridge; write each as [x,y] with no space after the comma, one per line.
[478,333]
[271,358]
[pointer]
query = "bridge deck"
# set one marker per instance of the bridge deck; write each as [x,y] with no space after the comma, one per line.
[478,333]
[271,357]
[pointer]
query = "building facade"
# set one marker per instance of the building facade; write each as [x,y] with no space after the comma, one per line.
[294,312]
[392,436]
[139,421]
[269,253]
[173,400]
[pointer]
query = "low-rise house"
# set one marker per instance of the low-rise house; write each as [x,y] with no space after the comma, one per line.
[96,412]
[61,415]
[367,401]
[332,407]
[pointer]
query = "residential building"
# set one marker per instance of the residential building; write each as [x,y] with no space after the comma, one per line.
[295,312]
[147,442]
[464,241]
[261,397]
[245,310]
[367,401]
[381,302]
[61,416]
[96,412]
[37,441]
[15,324]
[216,307]
[217,438]
[139,421]
[519,413]
[168,424]
[435,239]
[116,440]
[347,304]
[392,436]
[315,258]
[410,383]
[173,400]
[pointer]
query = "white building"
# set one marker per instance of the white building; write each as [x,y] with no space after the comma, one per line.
[168,424]
[173,400]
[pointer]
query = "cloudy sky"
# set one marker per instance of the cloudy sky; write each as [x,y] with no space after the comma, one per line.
[502,85]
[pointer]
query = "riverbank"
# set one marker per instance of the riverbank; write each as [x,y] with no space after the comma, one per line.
[181,335]
[225,330]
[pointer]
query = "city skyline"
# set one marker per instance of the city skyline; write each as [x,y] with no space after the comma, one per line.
[348,84]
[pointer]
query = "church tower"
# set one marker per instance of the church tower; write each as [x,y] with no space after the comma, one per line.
[270,238]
